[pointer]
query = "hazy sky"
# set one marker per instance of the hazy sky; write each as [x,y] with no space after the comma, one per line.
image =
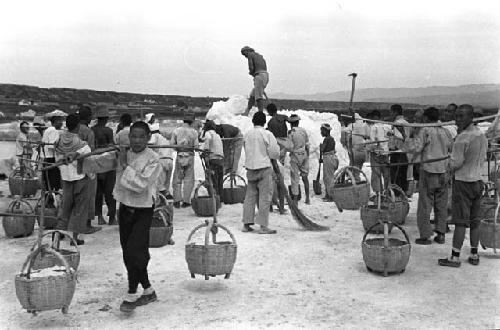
[193,47]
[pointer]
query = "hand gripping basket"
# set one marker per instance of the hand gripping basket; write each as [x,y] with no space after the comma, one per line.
[489,229]
[213,259]
[202,205]
[234,193]
[401,204]
[15,224]
[386,255]
[376,212]
[349,190]
[162,227]
[51,209]
[26,183]
[45,293]
[47,260]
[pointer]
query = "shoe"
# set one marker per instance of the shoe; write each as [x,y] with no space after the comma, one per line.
[247,228]
[283,211]
[448,229]
[171,242]
[101,221]
[308,201]
[266,230]
[146,299]
[439,238]
[78,242]
[449,263]
[473,261]
[127,306]
[177,205]
[432,222]
[423,241]
[91,230]
[184,205]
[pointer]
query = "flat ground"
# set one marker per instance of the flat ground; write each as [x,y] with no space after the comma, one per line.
[295,279]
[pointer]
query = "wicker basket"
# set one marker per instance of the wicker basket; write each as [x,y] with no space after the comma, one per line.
[162,227]
[211,259]
[386,255]
[51,210]
[372,216]
[27,184]
[19,226]
[203,205]
[47,260]
[45,293]
[233,194]
[348,192]
[401,203]
[489,228]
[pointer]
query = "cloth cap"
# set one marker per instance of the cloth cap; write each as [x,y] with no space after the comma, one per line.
[154,127]
[247,49]
[293,118]
[102,111]
[56,113]
[326,126]
[148,117]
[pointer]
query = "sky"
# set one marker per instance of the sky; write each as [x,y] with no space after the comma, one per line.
[193,47]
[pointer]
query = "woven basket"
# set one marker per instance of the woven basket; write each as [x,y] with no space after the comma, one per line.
[45,293]
[211,259]
[489,228]
[203,205]
[386,255]
[51,210]
[401,203]
[26,185]
[17,226]
[162,227]
[372,216]
[47,260]
[233,194]
[347,192]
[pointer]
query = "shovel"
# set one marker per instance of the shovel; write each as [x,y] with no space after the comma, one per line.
[317,183]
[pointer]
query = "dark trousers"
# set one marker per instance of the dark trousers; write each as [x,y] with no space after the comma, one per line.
[432,193]
[134,238]
[105,185]
[398,173]
[52,178]
[217,167]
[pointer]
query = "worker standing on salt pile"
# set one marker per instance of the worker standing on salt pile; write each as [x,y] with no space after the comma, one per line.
[76,185]
[121,137]
[434,142]
[232,143]
[379,160]
[299,158]
[467,161]
[257,68]
[260,147]
[87,135]
[24,149]
[52,177]
[213,144]
[166,160]
[138,169]
[183,178]
[328,158]
[105,181]
[397,137]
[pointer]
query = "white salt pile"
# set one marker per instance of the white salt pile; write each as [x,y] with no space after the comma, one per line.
[51,271]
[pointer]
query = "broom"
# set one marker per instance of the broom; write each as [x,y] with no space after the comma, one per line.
[301,219]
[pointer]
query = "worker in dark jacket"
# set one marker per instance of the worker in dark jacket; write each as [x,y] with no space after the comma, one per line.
[257,68]
[232,142]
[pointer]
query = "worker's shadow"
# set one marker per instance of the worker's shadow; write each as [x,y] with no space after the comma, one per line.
[202,286]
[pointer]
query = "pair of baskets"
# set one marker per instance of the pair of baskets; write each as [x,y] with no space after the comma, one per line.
[350,188]
[235,193]
[162,228]
[20,220]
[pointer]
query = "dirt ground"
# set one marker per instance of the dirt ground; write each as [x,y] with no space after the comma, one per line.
[295,279]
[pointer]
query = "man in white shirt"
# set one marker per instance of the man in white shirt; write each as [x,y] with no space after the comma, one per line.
[52,178]
[379,159]
[213,143]
[260,147]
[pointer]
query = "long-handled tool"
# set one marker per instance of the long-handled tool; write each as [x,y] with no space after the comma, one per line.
[301,219]
[317,183]
[351,113]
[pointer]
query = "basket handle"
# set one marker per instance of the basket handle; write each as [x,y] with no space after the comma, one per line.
[195,229]
[202,184]
[395,188]
[163,198]
[162,216]
[26,269]
[394,224]
[48,232]
[232,177]
[18,202]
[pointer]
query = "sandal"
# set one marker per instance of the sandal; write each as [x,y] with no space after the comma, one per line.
[448,262]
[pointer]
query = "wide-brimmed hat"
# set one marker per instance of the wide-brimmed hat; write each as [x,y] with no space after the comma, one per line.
[148,117]
[246,49]
[102,111]
[56,113]
[293,118]
[326,126]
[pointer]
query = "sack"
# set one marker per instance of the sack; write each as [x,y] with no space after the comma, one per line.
[412,145]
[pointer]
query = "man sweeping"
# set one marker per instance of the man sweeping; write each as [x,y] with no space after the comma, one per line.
[260,147]
[257,68]
[467,160]
[328,158]
[232,143]
[435,142]
[299,158]
[183,177]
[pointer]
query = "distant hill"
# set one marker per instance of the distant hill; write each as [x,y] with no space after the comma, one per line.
[484,95]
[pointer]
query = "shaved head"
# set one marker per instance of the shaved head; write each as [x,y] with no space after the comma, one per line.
[467,108]
[464,116]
